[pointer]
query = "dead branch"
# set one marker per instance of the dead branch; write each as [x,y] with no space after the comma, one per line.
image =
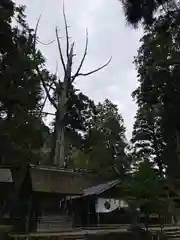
[35,33]
[95,70]
[56,74]
[38,70]
[69,64]
[36,28]
[67,35]
[51,87]
[45,100]
[45,87]
[48,43]
[60,50]
[83,58]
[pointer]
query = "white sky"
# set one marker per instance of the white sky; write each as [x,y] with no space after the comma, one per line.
[109,35]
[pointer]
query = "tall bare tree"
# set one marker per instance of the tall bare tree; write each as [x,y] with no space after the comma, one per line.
[60,102]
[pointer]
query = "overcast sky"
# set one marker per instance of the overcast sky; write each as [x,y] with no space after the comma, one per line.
[109,35]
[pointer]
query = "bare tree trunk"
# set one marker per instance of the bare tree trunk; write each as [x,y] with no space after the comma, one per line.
[57,153]
[59,157]
[53,142]
[59,147]
[62,154]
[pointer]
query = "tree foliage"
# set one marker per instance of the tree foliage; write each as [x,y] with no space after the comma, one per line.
[105,141]
[148,143]
[147,192]
[20,88]
[156,129]
[158,75]
[146,11]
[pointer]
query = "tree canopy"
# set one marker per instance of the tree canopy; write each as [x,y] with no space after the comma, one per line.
[105,140]
[20,88]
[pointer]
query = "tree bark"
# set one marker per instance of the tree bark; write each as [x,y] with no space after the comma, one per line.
[59,157]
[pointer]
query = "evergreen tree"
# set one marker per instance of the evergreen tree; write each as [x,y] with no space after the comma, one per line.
[20,88]
[105,142]
[158,74]
[147,137]
[147,193]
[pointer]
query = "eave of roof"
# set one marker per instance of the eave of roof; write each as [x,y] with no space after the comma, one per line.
[97,189]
